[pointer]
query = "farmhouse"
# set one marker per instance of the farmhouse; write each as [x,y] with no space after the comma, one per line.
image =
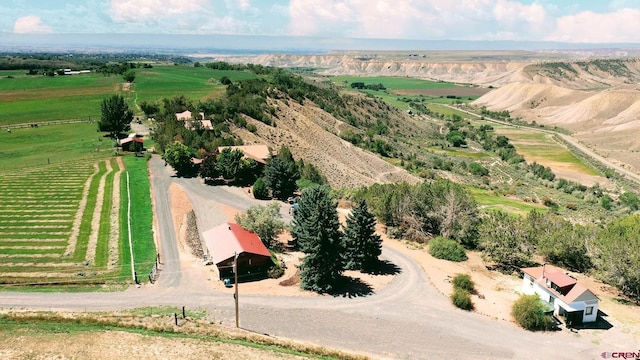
[226,241]
[569,299]
[187,115]
[259,153]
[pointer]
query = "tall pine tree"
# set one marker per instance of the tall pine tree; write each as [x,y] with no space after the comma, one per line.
[316,228]
[362,244]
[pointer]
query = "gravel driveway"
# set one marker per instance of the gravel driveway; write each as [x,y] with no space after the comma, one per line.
[408,319]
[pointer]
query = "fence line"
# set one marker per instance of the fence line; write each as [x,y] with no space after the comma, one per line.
[54,122]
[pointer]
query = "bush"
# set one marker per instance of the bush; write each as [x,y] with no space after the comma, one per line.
[529,312]
[275,271]
[462,299]
[260,190]
[463,282]
[447,249]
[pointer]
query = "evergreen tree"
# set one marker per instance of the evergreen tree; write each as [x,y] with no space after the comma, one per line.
[362,245]
[281,176]
[315,227]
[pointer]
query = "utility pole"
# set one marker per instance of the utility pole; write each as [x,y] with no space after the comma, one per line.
[235,296]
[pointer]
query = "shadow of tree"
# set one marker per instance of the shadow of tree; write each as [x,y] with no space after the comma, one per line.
[351,288]
[384,267]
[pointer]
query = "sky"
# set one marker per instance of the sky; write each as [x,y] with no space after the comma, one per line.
[585,21]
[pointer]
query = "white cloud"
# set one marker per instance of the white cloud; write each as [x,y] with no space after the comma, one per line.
[589,27]
[419,19]
[139,11]
[31,25]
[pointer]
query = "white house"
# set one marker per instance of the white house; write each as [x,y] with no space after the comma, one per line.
[569,299]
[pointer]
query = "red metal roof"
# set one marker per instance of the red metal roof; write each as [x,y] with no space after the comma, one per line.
[227,239]
[556,275]
[562,280]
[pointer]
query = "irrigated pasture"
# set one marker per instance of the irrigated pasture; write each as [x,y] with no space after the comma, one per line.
[37,99]
[56,223]
[412,87]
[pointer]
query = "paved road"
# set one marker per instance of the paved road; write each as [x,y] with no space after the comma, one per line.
[408,319]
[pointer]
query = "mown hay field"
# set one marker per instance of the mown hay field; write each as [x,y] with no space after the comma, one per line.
[37,99]
[55,223]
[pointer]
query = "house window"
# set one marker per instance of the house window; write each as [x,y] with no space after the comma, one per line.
[551,300]
[589,310]
[530,281]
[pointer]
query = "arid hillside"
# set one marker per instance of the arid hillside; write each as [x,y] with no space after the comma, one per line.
[595,94]
[598,101]
[313,134]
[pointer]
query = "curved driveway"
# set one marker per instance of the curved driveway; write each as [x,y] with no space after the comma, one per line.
[408,319]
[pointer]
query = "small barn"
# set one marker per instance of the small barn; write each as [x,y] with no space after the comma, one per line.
[569,299]
[132,143]
[226,241]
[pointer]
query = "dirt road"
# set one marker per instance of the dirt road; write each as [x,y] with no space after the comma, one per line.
[407,319]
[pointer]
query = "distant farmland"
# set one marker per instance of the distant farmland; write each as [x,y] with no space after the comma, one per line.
[405,86]
[35,99]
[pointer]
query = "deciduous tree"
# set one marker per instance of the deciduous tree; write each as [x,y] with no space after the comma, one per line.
[179,157]
[264,221]
[116,116]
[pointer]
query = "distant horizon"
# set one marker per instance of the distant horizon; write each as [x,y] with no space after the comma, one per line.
[172,43]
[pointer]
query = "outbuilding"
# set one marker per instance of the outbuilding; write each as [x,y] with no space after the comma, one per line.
[228,240]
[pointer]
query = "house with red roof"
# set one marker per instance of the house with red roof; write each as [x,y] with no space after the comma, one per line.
[226,241]
[569,299]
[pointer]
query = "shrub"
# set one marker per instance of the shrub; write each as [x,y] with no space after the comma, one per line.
[447,249]
[529,312]
[463,282]
[462,299]
[275,271]
[260,190]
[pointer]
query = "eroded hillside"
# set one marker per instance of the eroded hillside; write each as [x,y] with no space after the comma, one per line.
[599,101]
[314,135]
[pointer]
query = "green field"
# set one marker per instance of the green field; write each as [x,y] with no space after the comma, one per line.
[488,200]
[194,83]
[37,99]
[51,144]
[395,83]
[539,147]
[446,111]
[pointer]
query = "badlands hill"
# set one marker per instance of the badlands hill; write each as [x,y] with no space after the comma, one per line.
[598,101]
[594,94]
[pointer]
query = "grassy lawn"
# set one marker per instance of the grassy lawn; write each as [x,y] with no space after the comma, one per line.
[144,249]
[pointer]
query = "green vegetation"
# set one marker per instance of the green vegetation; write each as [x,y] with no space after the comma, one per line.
[463,287]
[447,249]
[265,221]
[361,243]
[141,218]
[463,282]
[315,228]
[530,313]
[462,299]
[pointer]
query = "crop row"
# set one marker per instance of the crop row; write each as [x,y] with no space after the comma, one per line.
[35,231]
